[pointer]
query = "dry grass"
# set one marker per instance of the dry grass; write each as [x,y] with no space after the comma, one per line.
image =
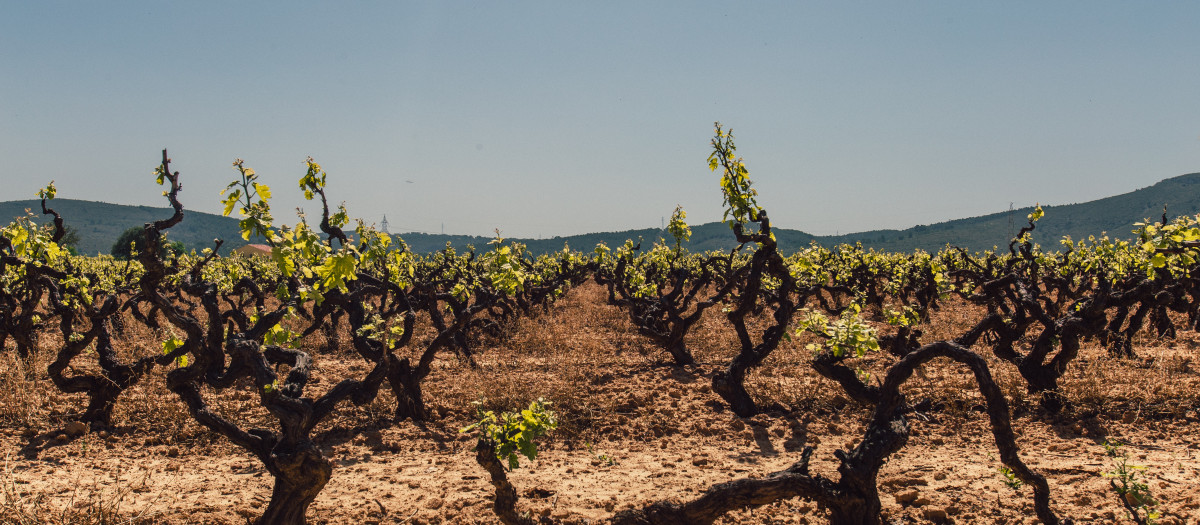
[88,504]
[23,397]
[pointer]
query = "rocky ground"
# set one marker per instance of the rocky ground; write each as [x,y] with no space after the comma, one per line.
[633,430]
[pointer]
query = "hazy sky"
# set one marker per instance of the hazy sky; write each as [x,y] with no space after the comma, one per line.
[557,118]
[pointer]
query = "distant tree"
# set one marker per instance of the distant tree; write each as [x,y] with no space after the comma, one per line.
[135,236]
[70,236]
[128,238]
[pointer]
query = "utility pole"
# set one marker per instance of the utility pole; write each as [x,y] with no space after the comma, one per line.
[1012,233]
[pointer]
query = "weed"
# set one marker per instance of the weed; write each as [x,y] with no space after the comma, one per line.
[1011,479]
[1128,484]
[606,459]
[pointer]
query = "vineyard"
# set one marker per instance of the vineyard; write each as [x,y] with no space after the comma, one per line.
[346,379]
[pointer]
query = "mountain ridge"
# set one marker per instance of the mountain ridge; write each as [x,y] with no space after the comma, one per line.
[98,225]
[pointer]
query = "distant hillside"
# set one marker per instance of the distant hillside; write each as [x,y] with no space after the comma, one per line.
[1114,215]
[711,236]
[99,224]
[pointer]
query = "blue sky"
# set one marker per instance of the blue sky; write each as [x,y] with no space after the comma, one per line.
[557,118]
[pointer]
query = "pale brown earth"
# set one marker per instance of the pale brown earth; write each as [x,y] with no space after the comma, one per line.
[633,430]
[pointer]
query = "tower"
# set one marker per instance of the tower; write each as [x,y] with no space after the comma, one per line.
[383,225]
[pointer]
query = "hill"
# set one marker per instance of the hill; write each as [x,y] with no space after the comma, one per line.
[1114,215]
[99,224]
[711,236]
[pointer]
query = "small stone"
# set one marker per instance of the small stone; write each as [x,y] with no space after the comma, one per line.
[434,503]
[76,429]
[737,424]
[921,502]
[61,438]
[1133,499]
[935,513]
[905,497]
[173,452]
[700,462]
[1129,417]
[939,476]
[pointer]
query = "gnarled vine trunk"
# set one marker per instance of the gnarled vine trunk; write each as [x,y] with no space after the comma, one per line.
[300,475]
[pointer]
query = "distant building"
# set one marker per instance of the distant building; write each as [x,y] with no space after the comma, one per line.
[254,249]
